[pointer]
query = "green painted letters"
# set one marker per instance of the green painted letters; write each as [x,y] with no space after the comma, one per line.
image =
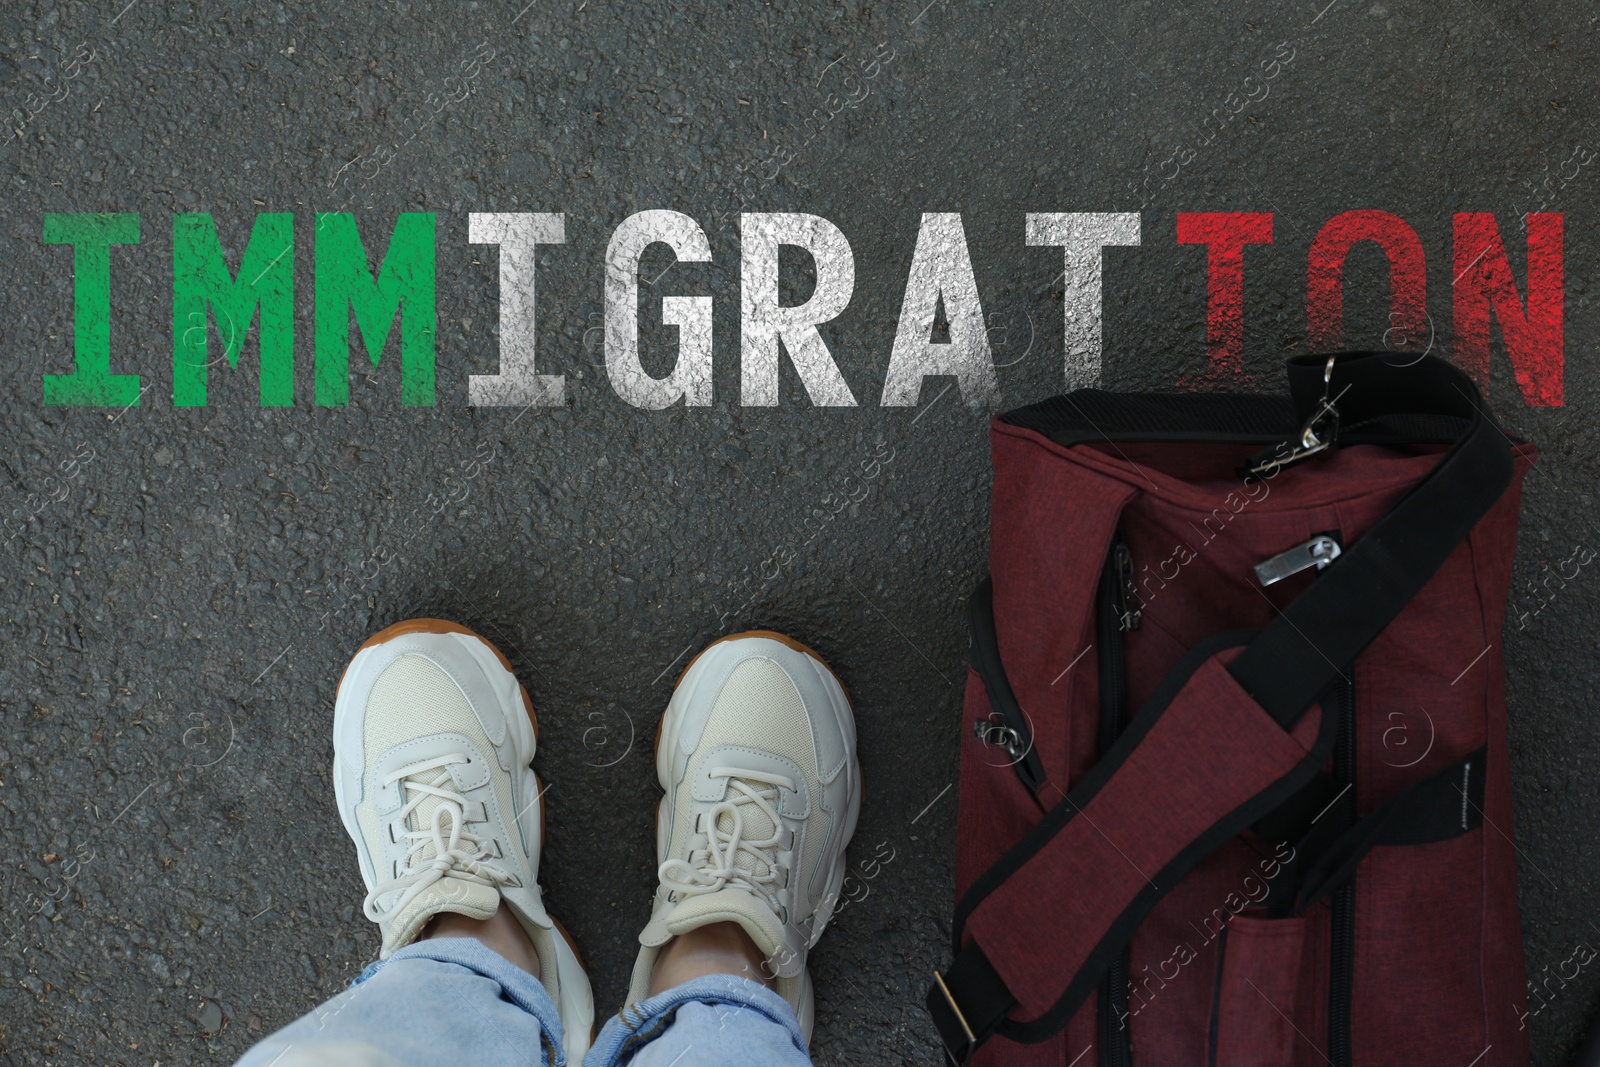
[266,278]
[405,283]
[91,237]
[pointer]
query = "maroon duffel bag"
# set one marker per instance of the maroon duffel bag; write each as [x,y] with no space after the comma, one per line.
[1234,788]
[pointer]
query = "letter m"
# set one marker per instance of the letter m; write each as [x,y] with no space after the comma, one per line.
[266,279]
[404,285]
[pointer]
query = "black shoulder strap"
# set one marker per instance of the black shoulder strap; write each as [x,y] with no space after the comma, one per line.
[1308,646]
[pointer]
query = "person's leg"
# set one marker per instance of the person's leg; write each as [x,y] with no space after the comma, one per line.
[757,756]
[461,990]
[433,740]
[500,933]
[716,948]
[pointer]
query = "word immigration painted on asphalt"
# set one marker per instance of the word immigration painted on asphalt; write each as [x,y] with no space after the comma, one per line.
[1483,290]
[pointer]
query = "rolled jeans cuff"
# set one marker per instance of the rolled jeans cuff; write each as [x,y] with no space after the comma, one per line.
[646,1021]
[516,985]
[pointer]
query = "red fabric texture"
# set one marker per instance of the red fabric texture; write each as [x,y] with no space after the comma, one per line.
[1437,953]
[1258,989]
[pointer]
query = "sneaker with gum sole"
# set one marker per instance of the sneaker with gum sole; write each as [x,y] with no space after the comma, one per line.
[433,744]
[757,754]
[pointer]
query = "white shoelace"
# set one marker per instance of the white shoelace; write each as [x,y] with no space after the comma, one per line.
[460,853]
[717,865]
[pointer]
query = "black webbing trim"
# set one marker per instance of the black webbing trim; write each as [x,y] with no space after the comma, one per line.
[984,654]
[1303,650]
[1086,415]
[1441,806]
[1090,416]
[1288,824]
[967,1002]
[1307,822]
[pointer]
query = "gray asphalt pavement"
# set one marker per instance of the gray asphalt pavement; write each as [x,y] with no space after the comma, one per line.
[181,586]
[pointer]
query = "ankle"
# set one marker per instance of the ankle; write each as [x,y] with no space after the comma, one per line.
[501,933]
[716,948]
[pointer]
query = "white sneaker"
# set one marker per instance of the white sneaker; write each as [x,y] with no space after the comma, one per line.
[757,753]
[433,738]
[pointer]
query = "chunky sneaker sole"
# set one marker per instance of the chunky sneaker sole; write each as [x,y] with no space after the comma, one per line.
[757,754]
[433,743]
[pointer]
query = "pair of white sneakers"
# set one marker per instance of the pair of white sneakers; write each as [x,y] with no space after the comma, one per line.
[433,744]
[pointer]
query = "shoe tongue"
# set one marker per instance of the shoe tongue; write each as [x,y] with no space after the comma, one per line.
[725,905]
[461,896]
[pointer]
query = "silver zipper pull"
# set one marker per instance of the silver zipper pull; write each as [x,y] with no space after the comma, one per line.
[1317,552]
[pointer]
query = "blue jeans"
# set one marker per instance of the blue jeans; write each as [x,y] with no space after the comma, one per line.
[450,1001]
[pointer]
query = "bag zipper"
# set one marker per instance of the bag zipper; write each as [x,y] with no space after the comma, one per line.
[1117,614]
[1126,592]
[1216,1000]
[1342,954]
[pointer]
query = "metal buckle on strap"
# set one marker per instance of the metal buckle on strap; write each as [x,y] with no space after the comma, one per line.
[1322,428]
[963,1055]
[992,731]
[1320,432]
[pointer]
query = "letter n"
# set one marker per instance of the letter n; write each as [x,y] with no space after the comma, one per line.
[1485,289]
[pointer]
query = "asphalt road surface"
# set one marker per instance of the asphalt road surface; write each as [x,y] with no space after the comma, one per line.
[180,587]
